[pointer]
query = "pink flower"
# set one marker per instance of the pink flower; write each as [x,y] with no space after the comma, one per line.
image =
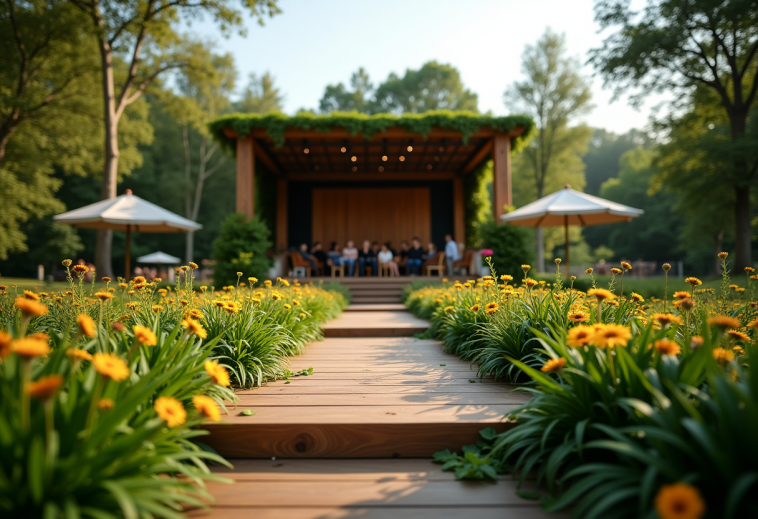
[485,252]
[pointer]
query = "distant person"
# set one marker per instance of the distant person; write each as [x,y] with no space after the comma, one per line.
[432,257]
[451,253]
[334,256]
[350,256]
[402,255]
[308,257]
[416,257]
[366,258]
[375,247]
[318,252]
[386,258]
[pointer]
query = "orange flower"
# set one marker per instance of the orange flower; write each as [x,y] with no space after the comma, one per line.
[144,335]
[679,501]
[31,295]
[531,282]
[553,365]
[722,356]
[580,335]
[637,298]
[80,269]
[666,319]
[692,281]
[753,323]
[578,317]
[681,294]
[78,354]
[5,344]
[600,293]
[86,325]
[611,335]
[30,308]
[738,336]
[475,308]
[111,366]
[724,321]
[626,265]
[30,348]
[194,327]
[170,410]
[217,372]
[44,388]
[449,309]
[667,347]
[206,406]
[103,296]
[105,404]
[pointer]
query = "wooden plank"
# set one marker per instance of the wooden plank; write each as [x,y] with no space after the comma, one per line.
[376,319]
[245,194]
[468,510]
[376,308]
[341,135]
[366,440]
[364,176]
[337,388]
[282,226]
[264,157]
[459,212]
[478,157]
[391,399]
[501,184]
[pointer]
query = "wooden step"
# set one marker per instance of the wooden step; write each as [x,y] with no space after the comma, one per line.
[377,300]
[375,324]
[397,307]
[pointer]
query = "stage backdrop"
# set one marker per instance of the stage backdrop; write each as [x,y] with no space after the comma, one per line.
[376,214]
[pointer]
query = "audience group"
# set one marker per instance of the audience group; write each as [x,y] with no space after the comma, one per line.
[410,257]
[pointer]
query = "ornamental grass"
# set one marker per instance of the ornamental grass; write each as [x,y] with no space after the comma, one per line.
[640,408]
[104,387]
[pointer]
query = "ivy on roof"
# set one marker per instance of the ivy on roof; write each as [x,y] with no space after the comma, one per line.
[355,123]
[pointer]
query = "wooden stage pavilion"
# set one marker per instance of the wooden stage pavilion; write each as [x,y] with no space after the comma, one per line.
[381,178]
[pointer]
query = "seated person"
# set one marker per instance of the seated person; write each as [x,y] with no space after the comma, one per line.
[350,256]
[385,258]
[308,257]
[366,257]
[432,258]
[318,253]
[416,257]
[334,256]
[402,255]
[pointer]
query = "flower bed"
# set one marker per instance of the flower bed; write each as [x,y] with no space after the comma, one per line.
[639,409]
[103,387]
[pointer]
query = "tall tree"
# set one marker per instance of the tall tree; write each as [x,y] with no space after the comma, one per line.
[143,34]
[605,150]
[337,98]
[677,45]
[260,96]
[435,86]
[204,95]
[553,93]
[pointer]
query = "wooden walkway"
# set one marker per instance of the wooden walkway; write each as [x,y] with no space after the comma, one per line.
[327,445]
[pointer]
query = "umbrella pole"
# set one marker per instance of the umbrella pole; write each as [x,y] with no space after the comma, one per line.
[566,229]
[128,251]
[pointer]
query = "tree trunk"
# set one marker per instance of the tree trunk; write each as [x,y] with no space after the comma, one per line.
[742,231]
[110,173]
[190,246]
[717,247]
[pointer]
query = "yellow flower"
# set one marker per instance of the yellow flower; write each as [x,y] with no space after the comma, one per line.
[217,372]
[31,295]
[616,271]
[666,319]
[692,281]
[30,308]
[753,323]
[526,268]
[44,388]
[80,269]
[553,365]
[531,282]
[158,309]
[749,270]
[722,356]
[696,341]
[738,336]
[193,265]
[611,335]
[194,327]
[144,335]
[637,298]
[86,325]
[738,350]
[78,354]
[474,308]
[667,347]
[103,296]
[66,262]
[626,265]
[506,278]
[29,348]
[170,410]
[578,317]
[679,501]
[206,406]
[580,335]
[107,279]
[105,404]
[449,310]
[724,321]
[588,271]
[287,306]
[600,293]
[110,365]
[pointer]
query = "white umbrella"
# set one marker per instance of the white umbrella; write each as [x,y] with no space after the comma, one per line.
[569,207]
[127,213]
[159,258]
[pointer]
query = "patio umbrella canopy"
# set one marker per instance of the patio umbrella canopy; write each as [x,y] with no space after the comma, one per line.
[570,207]
[128,213]
[159,258]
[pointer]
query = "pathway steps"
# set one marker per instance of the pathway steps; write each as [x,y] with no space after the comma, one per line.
[354,439]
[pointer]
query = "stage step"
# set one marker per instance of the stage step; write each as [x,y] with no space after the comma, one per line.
[375,324]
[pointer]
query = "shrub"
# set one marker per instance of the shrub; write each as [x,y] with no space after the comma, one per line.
[241,246]
[511,246]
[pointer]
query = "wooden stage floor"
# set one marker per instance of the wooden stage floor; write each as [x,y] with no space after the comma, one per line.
[354,439]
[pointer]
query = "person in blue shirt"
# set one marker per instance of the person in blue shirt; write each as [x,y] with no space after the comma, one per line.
[451,253]
[416,257]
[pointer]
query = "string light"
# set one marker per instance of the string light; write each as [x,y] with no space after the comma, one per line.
[402,159]
[343,149]
[353,158]
[384,158]
[306,151]
[410,148]
[381,168]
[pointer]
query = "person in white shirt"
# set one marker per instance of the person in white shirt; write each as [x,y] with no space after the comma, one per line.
[386,258]
[350,256]
[451,253]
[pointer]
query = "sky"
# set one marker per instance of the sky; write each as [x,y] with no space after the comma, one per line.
[318,42]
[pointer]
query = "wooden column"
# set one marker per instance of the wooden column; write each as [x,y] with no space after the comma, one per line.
[245,177]
[501,186]
[281,215]
[459,211]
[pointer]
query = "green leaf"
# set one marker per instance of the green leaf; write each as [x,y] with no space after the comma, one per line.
[248,412]
[36,469]
[488,434]
[489,471]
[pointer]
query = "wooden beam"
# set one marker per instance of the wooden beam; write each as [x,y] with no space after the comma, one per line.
[265,158]
[478,157]
[245,177]
[459,211]
[282,226]
[501,186]
[367,177]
